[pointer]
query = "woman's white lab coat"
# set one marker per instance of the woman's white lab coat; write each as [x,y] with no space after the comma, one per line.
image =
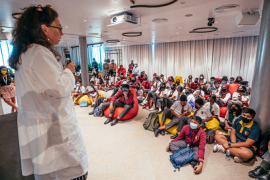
[51,143]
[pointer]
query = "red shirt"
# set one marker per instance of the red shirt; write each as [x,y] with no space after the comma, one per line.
[199,140]
[194,86]
[146,85]
[120,95]
[140,78]
[118,83]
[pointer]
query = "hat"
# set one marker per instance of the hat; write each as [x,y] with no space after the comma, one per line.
[125,86]
[198,119]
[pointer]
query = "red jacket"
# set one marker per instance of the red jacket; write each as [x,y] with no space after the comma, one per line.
[121,70]
[120,95]
[199,140]
[146,85]
[140,78]
[118,83]
[194,86]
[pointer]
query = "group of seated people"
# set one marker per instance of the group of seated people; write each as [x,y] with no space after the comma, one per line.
[185,104]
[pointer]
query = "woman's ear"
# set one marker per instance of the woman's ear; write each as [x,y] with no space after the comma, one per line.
[44,28]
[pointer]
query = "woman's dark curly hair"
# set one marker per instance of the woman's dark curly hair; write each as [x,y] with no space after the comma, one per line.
[28,30]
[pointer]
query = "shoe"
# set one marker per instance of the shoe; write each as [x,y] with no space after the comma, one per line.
[174,136]
[265,176]
[219,148]
[147,108]
[115,121]
[144,103]
[152,108]
[92,105]
[162,133]
[101,115]
[239,160]
[194,163]
[157,131]
[91,113]
[108,120]
[159,112]
[258,171]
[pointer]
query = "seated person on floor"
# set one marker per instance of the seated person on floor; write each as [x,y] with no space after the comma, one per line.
[154,87]
[93,79]
[248,89]
[261,172]
[178,109]
[232,114]
[124,98]
[139,92]
[224,80]
[132,83]
[116,86]
[189,80]
[157,97]
[212,106]
[146,85]
[171,97]
[190,97]
[163,78]
[224,95]
[194,136]
[169,82]
[198,93]
[121,70]
[216,89]
[92,93]
[202,81]
[122,76]
[107,84]
[238,80]
[113,79]
[100,82]
[243,139]
[194,85]
[79,92]
[140,77]
[128,80]
[179,86]
[240,97]
[187,86]
[231,80]
[144,73]
[128,74]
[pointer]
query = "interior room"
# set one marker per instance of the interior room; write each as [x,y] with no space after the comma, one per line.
[134,89]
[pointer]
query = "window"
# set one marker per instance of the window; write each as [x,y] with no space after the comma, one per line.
[5,52]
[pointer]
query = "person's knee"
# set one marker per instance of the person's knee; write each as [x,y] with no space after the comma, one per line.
[245,153]
[219,136]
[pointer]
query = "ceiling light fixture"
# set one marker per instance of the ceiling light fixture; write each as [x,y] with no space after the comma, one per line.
[216,22]
[226,8]
[136,38]
[66,26]
[132,34]
[84,20]
[168,41]
[179,27]
[113,41]
[177,33]
[228,36]
[256,34]
[151,6]
[160,20]
[188,15]
[240,25]
[111,11]
[202,30]
[152,31]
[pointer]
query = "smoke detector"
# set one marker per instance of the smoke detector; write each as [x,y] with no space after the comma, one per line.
[226,8]
[160,20]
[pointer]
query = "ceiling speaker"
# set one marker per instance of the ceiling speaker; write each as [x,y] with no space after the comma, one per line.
[247,18]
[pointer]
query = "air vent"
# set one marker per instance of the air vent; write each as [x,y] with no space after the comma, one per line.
[226,8]
[188,15]
[159,20]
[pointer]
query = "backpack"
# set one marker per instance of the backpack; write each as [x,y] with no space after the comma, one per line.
[181,157]
[263,143]
[97,111]
[83,103]
[210,136]
[151,122]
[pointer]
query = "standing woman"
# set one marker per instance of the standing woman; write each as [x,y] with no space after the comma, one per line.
[7,89]
[50,139]
[130,67]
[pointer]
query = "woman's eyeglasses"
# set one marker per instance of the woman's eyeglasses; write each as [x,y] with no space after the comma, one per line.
[60,28]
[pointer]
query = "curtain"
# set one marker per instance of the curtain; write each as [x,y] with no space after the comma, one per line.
[5,52]
[75,55]
[229,57]
[60,50]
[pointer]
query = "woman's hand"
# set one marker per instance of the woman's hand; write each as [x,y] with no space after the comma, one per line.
[71,66]
[168,147]
[198,168]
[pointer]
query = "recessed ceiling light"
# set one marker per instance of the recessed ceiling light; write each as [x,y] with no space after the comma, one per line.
[168,41]
[256,34]
[260,16]
[177,33]
[152,31]
[188,15]
[136,38]
[204,38]
[66,26]
[185,40]
[111,11]
[179,27]
[228,36]
[216,22]
[140,43]
[123,39]
[240,25]
[64,45]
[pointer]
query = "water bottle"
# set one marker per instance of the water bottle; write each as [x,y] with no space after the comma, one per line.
[185,81]
[260,149]
[227,155]
[229,132]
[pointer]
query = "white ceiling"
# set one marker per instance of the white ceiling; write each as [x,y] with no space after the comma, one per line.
[73,12]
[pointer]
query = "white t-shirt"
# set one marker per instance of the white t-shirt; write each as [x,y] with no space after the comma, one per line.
[177,108]
[162,92]
[203,112]
[227,97]
[113,79]
[215,108]
[139,93]
[93,79]
[175,94]
[164,79]
[216,91]
[190,98]
[81,89]
[107,84]
[157,84]
[90,88]
[201,93]
[236,94]
[202,81]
